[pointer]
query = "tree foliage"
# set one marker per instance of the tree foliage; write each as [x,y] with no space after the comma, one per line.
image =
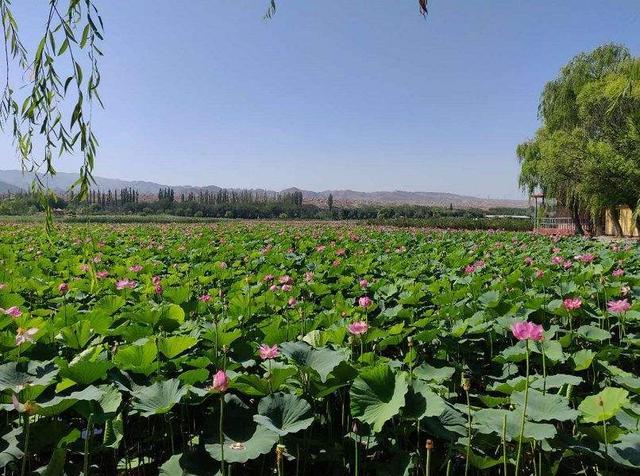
[586,153]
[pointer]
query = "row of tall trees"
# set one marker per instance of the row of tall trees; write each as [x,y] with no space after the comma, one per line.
[111,198]
[586,154]
[226,196]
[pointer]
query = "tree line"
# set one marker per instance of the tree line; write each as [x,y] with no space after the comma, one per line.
[231,204]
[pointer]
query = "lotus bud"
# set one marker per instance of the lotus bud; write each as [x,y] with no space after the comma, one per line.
[466,380]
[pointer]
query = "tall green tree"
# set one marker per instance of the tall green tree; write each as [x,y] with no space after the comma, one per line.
[586,152]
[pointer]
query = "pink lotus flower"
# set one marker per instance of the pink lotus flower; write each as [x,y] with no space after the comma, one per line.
[308,276]
[286,279]
[268,278]
[102,274]
[84,268]
[572,304]
[205,298]
[223,265]
[364,283]
[25,335]
[293,301]
[557,260]
[616,273]
[586,258]
[273,287]
[16,403]
[358,328]
[365,301]
[2,286]
[156,280]
[539,274]
[158,289]
[63,288]
[528,261]
[468,269]
[525,330]
[13,311]
[267,352]
[125,284]
[479,264]
[220,382]
[618,306]
[136,268]
[320,248]
[286,287]
[567,264]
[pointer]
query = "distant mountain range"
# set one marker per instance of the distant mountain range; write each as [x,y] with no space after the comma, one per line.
[14,180]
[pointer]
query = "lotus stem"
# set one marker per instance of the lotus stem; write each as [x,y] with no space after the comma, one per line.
[279,456]
[468,454]
[87,441]
[221,437]
[524,410]
[504,444]
[25,457]
[429,447]
[544,369]
[357,455]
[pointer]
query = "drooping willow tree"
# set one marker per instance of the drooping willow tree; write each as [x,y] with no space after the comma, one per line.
[586,154]
[49,94]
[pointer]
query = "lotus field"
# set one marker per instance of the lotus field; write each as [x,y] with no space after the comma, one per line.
[304,349]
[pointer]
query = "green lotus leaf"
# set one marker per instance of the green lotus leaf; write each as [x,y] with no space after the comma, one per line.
[109,304]
[240,451]
[283,413]
[171,347]
[377,395]
[15,376]
[555,381]
[627,451]
[192,463]
[113,432]
[544,407]
[582,359]
[10,447]
[60,403]
[492,421]
[158,398]
[86,372]
[421,401]
[604,405]
[137,358]
[593,333]
[322,360]
[433,374]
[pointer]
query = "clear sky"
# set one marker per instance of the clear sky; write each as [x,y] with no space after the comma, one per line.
[356,94]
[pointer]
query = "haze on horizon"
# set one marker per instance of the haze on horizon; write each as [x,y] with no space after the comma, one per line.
[331,95]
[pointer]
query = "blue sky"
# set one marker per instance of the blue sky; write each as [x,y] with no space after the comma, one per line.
[332,94]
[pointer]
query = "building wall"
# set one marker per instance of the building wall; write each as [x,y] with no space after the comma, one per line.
[626,222]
